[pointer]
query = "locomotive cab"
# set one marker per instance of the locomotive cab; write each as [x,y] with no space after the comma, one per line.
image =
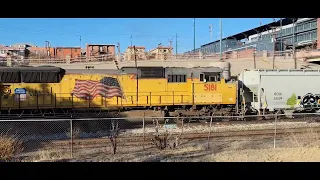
[210,77]
[212,89]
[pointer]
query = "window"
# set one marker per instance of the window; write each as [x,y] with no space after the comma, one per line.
[152,72]
[75,50]
[177,78]
[210,77]
[201,77]
[313,35]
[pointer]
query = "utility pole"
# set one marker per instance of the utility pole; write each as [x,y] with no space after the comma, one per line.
[281,46]
[137,75]
[131,48]
[47,48]
[170,43]
[176,43]
[49,45]
[293,44]
[221,39]
[274,46]
[260,34]
[119,52]
[194,35]
[80,42]
[210,30]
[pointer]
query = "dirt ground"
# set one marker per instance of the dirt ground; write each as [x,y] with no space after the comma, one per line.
[289,148]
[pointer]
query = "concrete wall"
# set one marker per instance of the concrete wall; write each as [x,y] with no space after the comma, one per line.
[237,65]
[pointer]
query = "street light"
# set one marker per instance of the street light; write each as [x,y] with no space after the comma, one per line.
[194,35]
[221,39]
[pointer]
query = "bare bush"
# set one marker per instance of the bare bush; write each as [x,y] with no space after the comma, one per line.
[9,147]
[167,140]
[114,132]
[76,131]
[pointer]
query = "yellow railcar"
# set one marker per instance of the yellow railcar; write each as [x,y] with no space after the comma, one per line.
[54,88]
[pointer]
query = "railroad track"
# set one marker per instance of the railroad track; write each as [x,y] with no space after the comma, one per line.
[147,139]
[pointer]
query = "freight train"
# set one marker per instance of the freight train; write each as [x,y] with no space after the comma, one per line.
[183,91]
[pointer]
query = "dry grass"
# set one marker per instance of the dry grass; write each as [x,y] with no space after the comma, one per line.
[308,139]
[48,155]
[9,147]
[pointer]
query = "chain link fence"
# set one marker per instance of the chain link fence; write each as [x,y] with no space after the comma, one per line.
[153,138]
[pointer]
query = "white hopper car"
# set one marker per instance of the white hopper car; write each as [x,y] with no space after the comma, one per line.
[280,90]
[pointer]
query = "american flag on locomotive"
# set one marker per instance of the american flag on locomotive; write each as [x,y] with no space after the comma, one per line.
[107,87]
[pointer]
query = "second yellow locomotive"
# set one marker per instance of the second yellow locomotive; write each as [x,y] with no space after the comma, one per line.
[56,88]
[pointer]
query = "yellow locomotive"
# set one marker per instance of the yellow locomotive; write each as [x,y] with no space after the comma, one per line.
[55,88]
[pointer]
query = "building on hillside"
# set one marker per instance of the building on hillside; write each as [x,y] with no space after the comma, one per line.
[14,52]
[41,52]
[277,35]
[161,53]
[64,52]
[23,45]
[139,54]
[100,49]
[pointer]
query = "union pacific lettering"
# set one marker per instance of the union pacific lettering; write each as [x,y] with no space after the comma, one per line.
[210,87]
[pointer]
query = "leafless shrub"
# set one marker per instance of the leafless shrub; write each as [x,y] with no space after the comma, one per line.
[9,147]
[76,131]
[167,141]
[114,132]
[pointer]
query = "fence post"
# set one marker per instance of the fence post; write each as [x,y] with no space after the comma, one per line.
[209,134]
[182,125]
[275,130]
[71,138]
[144,129]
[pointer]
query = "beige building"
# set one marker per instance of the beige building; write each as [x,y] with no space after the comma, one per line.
[161,53]
[140,53]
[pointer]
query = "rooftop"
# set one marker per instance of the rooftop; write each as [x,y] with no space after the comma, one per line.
[68,47]
[259,29]
[139,47]
[101,45]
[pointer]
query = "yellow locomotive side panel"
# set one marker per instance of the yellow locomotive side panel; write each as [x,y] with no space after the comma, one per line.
[104,91]
[178,93]
[95,90]
[151,91]
[215,92]
[14,96]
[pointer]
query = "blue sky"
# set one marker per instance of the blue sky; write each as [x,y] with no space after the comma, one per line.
[148,32]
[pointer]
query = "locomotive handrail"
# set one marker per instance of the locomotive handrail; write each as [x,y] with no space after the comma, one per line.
[146,117]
